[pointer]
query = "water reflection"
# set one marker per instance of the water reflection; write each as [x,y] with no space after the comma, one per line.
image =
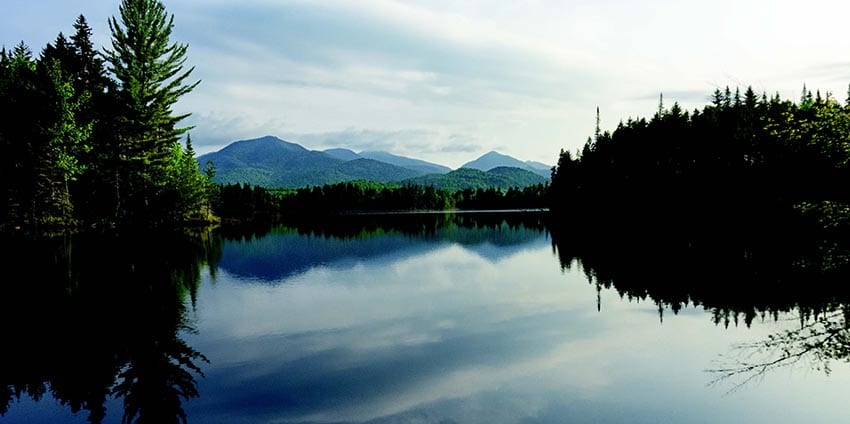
[399,313]
[819,341]
[274,254]
[96,318]
[791,267]
[432,318]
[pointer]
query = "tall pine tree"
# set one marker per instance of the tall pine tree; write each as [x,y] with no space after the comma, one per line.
[151,78]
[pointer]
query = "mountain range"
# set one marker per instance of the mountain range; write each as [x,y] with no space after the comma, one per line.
[272,162]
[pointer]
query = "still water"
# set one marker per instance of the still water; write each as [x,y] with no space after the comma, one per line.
[439,319]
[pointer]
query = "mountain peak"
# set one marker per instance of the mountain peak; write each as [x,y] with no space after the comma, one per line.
[493,153]
[494,159]
[262,144]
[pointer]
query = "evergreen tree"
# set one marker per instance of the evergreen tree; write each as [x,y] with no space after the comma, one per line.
[188,188]
[62,142]
[717,98]
[17,132]
[79,145]
[151,78]
[94,191]
[89,72]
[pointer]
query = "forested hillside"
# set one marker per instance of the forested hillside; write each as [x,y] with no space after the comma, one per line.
[468,178]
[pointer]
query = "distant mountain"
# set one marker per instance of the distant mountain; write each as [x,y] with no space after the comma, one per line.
[541,167]
[373,170]
[468,178]
[343,154]
[494,160]
[272,162]
[405,162]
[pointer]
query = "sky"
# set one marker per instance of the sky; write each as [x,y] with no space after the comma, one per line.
[449,80]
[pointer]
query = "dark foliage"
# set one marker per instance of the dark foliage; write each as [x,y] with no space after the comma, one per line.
[237,203]
[741,160]
[89,144]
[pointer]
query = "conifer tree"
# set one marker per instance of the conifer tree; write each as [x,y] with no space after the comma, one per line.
[89,73]
[17,133]
[150,72]
[94,91]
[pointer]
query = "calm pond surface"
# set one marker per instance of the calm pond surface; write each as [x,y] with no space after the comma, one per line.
[406,319]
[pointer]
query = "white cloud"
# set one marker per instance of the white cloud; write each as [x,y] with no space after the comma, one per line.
[526,76]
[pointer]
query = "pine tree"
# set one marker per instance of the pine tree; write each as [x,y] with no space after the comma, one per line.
[151,78]
[750,99]
[89,73]
[717,98]
[18,105]
[188,187]
[94,191]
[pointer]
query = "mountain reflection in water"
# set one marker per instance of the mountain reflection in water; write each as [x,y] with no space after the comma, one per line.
[414,318]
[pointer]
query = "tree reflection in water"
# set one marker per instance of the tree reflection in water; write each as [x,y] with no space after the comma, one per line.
[818,341]
[96,317]
[767,267]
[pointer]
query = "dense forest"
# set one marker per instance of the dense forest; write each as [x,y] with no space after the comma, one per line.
[743,159]
[90,138]
[242,203]
[746,199]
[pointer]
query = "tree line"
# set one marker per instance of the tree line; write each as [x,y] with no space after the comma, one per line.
[242,202]
[744,158]
[90,138]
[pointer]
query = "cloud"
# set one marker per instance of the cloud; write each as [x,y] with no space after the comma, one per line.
[524,75]
[401,141]
[680,96]
[461,148]
[838,71]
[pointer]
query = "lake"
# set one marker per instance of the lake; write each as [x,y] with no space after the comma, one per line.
[472,318]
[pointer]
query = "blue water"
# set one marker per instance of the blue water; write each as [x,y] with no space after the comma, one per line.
[462,325]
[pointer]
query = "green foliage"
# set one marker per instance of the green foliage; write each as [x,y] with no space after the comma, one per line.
[150,75]
[66,136]
[83,148]
[187,189]
[468,178]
